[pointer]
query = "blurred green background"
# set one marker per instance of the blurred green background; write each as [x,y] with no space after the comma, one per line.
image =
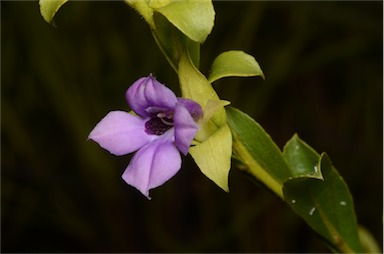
[62,193]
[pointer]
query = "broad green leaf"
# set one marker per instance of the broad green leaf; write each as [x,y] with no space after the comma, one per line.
[48,8]
[321,197]
[234,63]
[194,18]
[213,156]
[254,148]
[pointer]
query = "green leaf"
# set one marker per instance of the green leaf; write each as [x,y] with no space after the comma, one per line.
[48,8]
[194,18]
[254,148]
[320,196]
[368,242]
[213,156]
[142,7]
[213,152]
[302,159]
[195,86]
[173,43]
[234,63]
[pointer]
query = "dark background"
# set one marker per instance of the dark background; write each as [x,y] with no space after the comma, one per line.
[62,193]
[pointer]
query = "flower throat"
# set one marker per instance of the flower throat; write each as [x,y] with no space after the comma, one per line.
[160,123]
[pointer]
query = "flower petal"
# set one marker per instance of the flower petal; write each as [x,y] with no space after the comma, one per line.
[193,108]
[120,133]
[185,128]
[147,95]
[154,164]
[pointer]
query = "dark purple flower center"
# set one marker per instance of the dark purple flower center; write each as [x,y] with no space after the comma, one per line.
[162,119]
[160,123]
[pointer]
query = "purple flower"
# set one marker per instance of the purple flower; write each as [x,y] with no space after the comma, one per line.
[165,124]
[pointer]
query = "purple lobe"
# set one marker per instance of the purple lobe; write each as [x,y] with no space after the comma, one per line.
[120,133]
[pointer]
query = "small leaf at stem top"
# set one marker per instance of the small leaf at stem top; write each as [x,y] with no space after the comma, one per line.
[234,63]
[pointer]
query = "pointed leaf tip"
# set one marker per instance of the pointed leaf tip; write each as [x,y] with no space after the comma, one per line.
[48,8]
[302,159]
[320,196]
[213,156]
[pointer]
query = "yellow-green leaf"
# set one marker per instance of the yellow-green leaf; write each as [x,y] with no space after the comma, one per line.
[213,156]
[212,153]
[195,86]
[48,8]
[194,18]
[172,42]
[234,63]
[143,8]
[164,17]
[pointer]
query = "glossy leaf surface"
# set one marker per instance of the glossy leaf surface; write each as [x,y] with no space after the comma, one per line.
[320,196]
[254,148]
